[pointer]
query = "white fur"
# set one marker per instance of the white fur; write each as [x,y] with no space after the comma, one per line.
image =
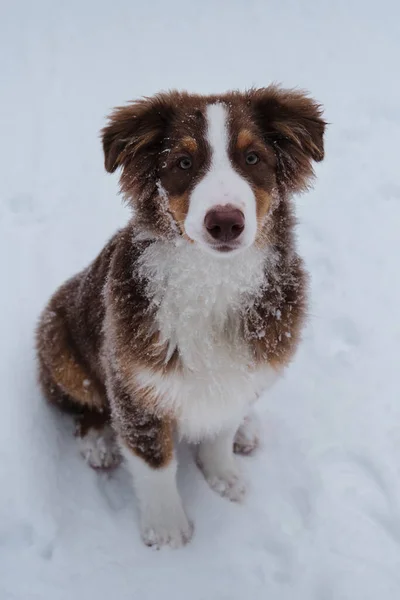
[221,185]
[219,465]
[162,518]
[198,302]
[248,435]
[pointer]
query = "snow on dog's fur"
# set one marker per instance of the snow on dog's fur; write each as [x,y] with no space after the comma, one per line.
[194,308]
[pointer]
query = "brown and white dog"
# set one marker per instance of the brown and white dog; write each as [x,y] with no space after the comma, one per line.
[196,306]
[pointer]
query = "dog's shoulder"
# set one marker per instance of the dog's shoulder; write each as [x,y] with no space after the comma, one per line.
[124,287]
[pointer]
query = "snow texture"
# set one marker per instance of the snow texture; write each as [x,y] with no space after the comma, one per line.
[321,517]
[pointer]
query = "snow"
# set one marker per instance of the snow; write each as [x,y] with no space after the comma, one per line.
[321,519]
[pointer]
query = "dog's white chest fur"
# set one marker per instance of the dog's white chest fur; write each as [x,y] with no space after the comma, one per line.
[198,300]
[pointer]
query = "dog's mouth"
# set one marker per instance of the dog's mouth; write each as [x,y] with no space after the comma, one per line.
[225,248]
[222,248]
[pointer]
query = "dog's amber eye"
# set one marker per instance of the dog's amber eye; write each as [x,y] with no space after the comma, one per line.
[252,158]
[184,163]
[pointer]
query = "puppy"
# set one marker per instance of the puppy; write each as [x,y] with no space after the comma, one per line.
[196,306]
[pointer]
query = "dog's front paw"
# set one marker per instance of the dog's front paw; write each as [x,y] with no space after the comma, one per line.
[228,484]
[220,467]
[172,530]
[247,436]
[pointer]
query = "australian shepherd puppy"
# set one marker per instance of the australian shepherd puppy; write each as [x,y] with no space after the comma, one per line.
[193,309]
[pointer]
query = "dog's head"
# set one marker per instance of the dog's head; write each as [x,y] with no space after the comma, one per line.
[211,168]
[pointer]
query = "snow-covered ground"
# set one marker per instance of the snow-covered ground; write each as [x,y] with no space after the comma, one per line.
[322,517]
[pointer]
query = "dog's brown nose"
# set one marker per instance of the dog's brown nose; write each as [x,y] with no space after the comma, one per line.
[224,223]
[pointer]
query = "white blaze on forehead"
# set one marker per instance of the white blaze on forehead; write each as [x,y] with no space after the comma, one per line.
[222,184]
[217,135]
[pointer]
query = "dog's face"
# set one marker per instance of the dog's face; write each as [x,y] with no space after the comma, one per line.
[211,168]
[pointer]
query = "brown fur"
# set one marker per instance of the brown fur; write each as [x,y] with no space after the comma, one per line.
[188,143]
[179,206]
[244,139]
[143,432]
[264,201]
[98,328]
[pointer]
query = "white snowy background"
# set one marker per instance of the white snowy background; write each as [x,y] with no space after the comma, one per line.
[322,516]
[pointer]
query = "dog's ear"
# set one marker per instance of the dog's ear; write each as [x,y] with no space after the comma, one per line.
[292,122]
[134,128]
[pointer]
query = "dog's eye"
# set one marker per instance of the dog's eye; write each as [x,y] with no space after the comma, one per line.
[252,158]
[185,163]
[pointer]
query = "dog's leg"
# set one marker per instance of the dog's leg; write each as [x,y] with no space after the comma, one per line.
[162,518]
[95,437]
[219,465]
[247,436]
[147,444]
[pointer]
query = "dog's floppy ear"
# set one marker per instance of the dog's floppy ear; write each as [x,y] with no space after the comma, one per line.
[292,122]
[131,129]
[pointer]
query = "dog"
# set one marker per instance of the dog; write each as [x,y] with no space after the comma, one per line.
[194,308]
